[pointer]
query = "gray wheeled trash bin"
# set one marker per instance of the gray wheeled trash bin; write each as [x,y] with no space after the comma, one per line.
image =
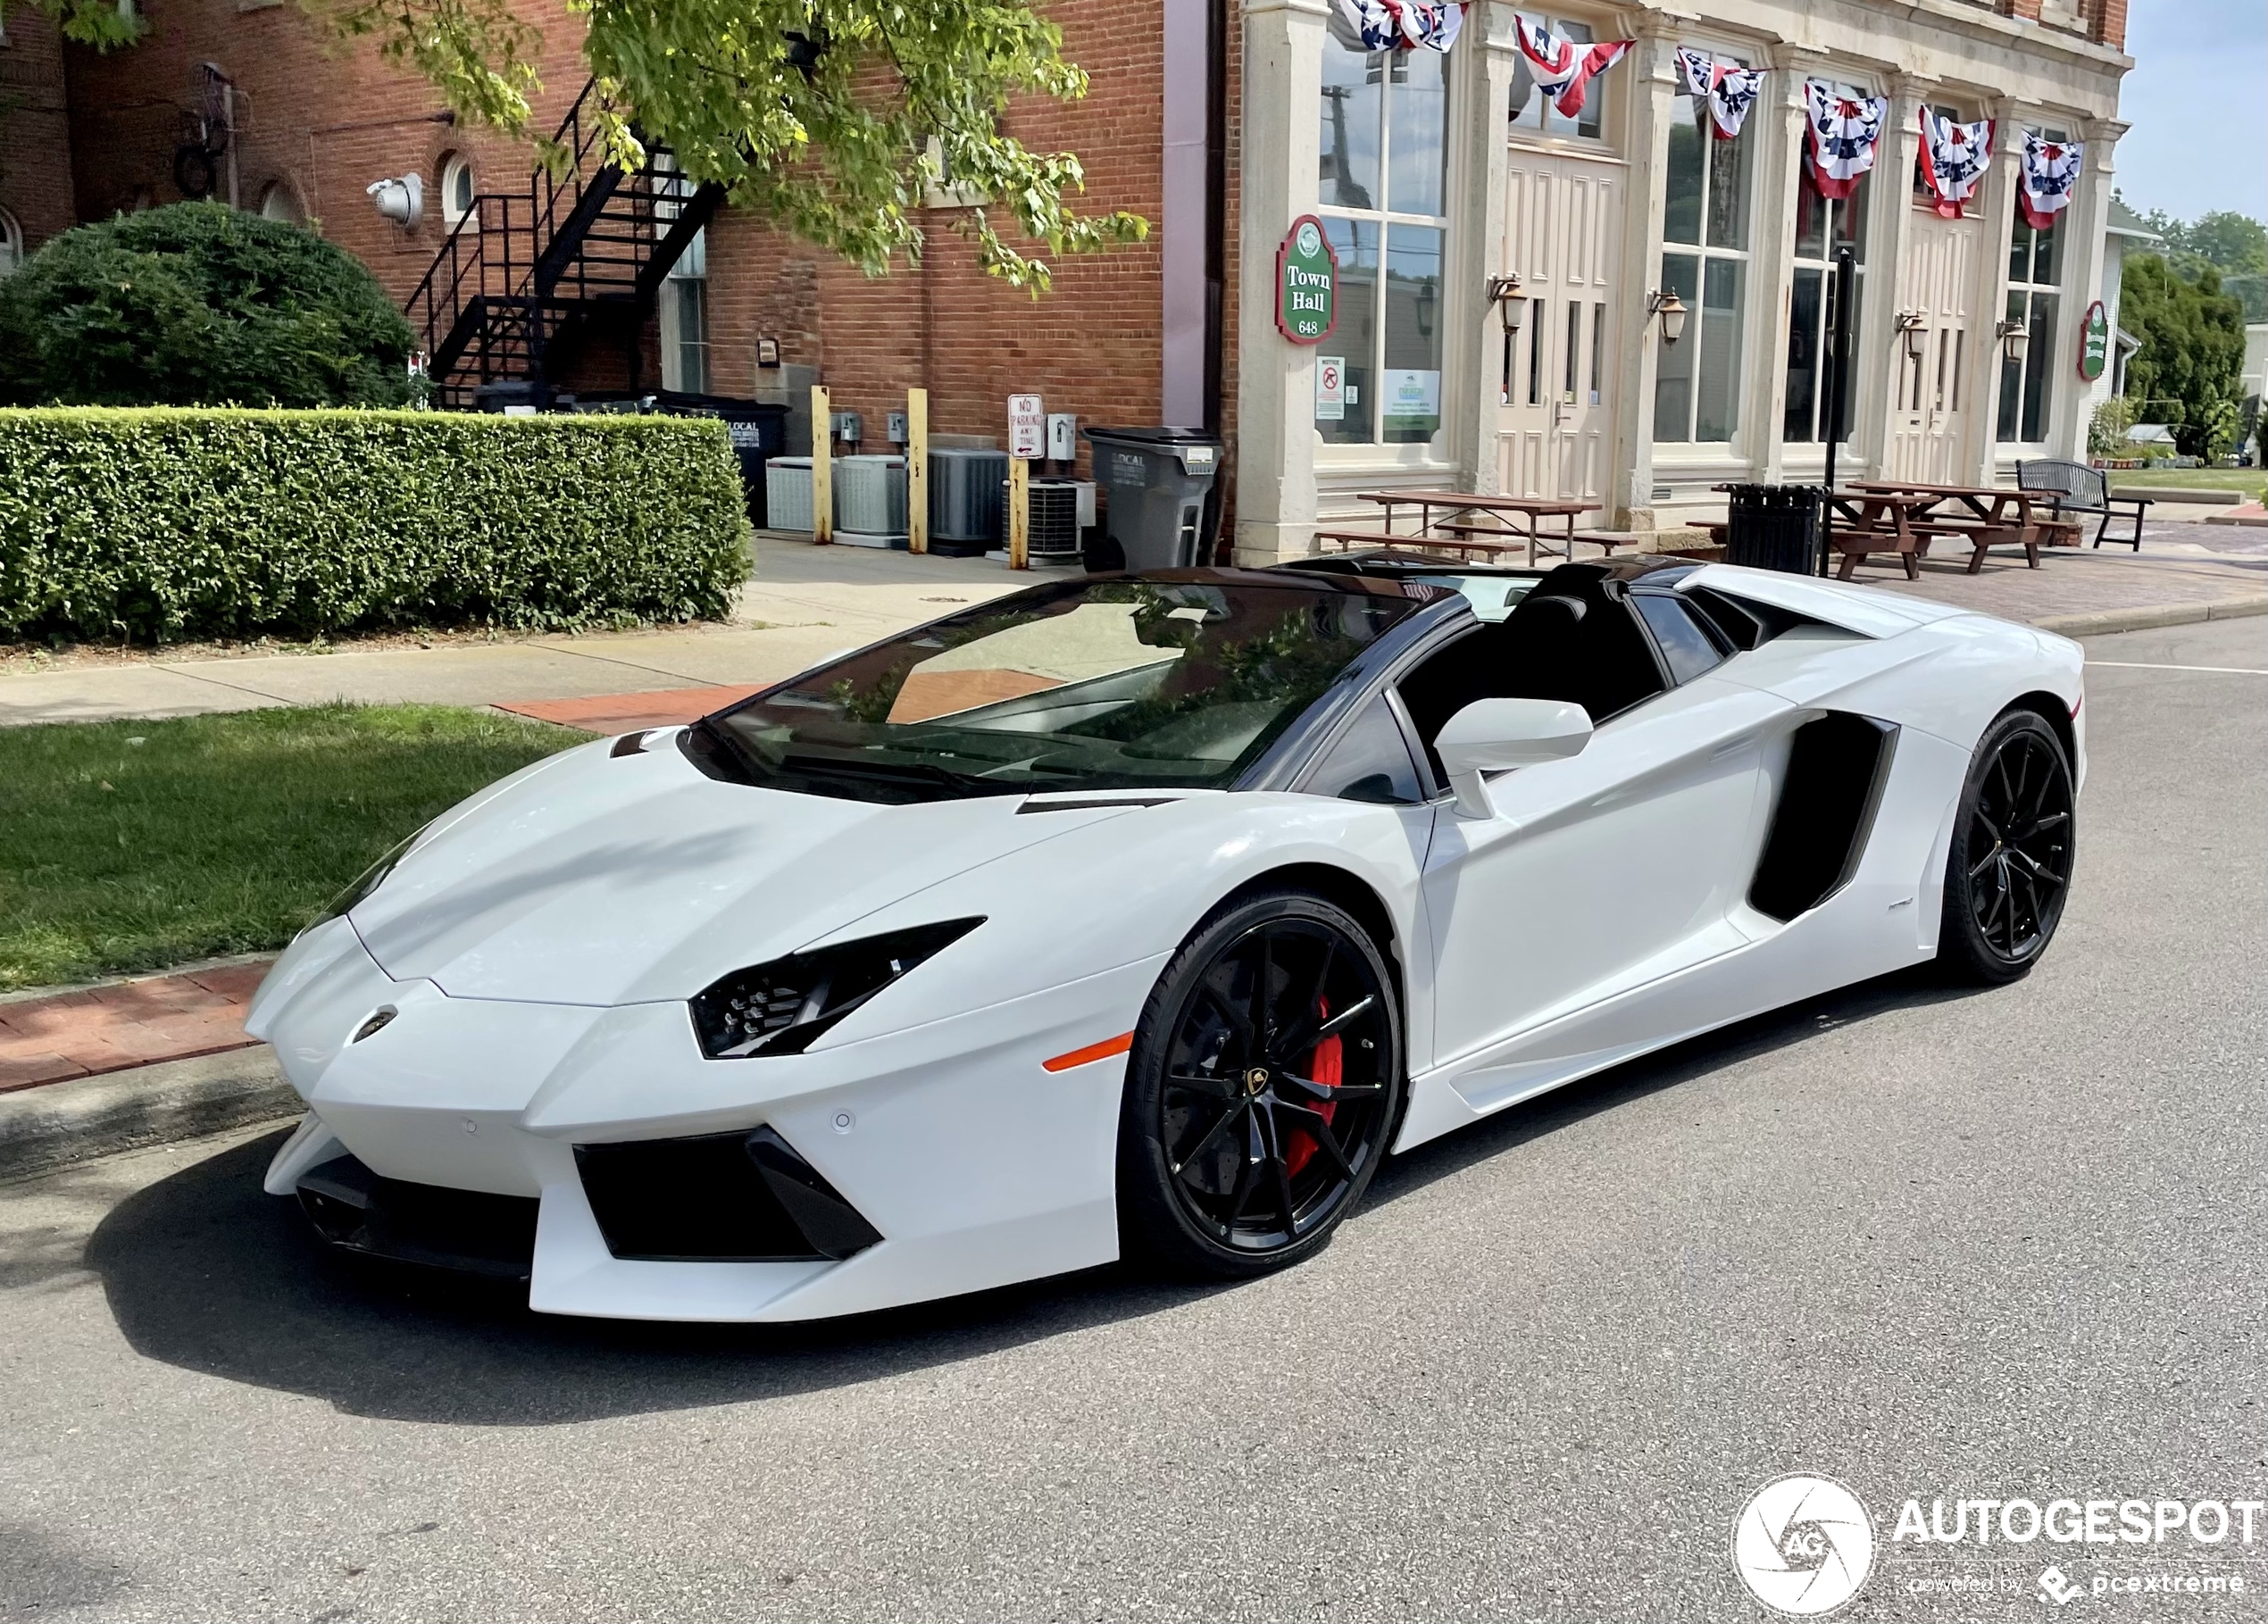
[1158,483]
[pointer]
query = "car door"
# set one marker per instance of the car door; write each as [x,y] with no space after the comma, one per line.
[1610,869]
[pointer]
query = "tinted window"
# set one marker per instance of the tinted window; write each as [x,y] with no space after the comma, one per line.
[1090,683]
[1683,643]
[1370,761]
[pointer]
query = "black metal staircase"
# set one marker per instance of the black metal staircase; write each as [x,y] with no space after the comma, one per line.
[523,275]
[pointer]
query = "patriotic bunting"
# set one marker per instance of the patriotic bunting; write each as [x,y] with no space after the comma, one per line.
[1396,25]
[1844,132]
[2050,169]
[1562,68]
[1729,88]
[1954,157]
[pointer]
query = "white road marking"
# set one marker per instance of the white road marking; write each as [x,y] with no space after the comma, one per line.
[2144,665]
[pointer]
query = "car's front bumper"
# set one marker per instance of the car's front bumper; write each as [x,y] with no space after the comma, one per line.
[976,1166]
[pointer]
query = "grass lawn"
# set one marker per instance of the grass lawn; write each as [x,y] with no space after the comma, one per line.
[2249,479]
[133,845]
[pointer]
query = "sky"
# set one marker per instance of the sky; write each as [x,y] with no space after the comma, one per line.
[2197,100]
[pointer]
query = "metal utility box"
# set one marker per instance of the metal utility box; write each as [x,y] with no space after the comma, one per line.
[1160,510]
[788,494]
[967,513]
[870,501]
[1775,526]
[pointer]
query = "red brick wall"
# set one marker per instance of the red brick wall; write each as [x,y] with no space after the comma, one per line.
[322,118]
[35,132]
[2110,23]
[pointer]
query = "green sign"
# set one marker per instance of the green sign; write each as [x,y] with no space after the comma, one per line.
[1307,283]
[2094,343]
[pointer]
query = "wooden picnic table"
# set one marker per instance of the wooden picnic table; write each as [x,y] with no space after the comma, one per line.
[1903,516]
[1500,525]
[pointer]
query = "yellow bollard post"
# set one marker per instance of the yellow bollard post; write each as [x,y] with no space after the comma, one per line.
[822,468]
[1018,513]
[917,470]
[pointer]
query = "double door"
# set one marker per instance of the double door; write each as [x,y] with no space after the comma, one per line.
[1936,340]
[1555,375]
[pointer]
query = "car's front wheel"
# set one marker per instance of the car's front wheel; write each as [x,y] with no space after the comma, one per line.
[2009,868]
[1265,1077]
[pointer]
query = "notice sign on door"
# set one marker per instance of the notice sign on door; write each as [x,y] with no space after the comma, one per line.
[1330,389]
[1027,427]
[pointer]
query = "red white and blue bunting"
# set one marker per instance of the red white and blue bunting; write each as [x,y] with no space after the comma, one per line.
[1845,130]
[1562,68]
[1954,160]
[1729,88]
[2050,169]
[1396,25]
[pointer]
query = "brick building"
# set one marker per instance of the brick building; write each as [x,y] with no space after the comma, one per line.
[1435,175]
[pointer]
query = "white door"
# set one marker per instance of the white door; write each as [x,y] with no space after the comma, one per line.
[1562,240]
[1929,403]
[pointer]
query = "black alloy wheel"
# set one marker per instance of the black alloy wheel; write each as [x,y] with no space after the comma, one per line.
[2009,868]
[1265,1078]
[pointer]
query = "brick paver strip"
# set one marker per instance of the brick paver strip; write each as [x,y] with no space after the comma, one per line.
[133,1023]
[620,712]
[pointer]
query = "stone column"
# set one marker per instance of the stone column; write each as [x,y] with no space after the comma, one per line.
[1481,65]
[1281,153]
[2085,220]
[1651,85]
[1776,123]
[1996,201]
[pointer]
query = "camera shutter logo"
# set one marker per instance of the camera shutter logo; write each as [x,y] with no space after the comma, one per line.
[1803,1546]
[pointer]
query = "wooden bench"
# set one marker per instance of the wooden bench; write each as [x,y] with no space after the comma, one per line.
[1349,541]
[1981,537]
[1543,544]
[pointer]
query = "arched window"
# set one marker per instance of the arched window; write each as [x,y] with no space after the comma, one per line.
[457,188]
[280,203]
[10,243]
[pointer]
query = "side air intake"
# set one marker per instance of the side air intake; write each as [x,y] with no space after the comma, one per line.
[1837,765]
[736,1197]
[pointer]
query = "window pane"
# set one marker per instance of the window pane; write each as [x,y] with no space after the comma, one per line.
[1370,762]
[1717,406]
[2020,250]
[1419,109]
[1410,389]
[2038,366]
[1674,363]
[1806,316]
[1683,643]
[1536,329]
[1682,187]
[1850,221]
[1811,218]
[1574,346]
[1354,341]
[1351,100]
[1599,349]
[2047,254]
[2012,377]
[1859,348]
[1728,187]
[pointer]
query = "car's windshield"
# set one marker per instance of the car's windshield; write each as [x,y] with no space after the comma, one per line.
[1085,684]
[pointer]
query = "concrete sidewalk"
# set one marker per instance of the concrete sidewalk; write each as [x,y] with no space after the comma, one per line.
[808,603]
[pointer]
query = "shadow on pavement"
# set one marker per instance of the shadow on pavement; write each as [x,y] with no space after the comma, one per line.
[206,1271]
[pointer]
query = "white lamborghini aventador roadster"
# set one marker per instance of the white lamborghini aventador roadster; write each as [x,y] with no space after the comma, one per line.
[1144,913]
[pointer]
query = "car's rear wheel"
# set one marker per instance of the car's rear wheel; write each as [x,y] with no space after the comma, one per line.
[2009,867]
[1265,1078]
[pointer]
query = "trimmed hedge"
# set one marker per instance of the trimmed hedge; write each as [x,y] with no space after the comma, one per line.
[160,523]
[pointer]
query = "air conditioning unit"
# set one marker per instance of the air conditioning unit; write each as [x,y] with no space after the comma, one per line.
[966,511]
[1053,537]
[870,501]
[787,494]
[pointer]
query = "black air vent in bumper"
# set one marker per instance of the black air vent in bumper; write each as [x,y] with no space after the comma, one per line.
[420,1223]
[736,1197]
[1837,765]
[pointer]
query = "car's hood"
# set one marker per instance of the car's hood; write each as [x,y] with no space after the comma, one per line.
[604,880]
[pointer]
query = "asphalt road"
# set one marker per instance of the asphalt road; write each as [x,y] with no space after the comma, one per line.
[1932,1245]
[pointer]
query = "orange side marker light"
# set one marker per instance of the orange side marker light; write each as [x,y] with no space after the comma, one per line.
[1093,1052]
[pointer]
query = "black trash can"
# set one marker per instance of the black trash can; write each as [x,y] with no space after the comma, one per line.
[1158,484]
[758,430]
[1775,526]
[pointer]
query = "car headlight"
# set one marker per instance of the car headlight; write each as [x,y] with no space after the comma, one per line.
[370,879]
[781,1007]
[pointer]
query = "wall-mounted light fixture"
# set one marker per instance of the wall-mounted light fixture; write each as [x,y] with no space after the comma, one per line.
[1512,306]
[2014,337]
[1910,322]
[1670,309]
[400,199]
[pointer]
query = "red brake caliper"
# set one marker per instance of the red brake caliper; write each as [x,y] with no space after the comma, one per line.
[1322,1066]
